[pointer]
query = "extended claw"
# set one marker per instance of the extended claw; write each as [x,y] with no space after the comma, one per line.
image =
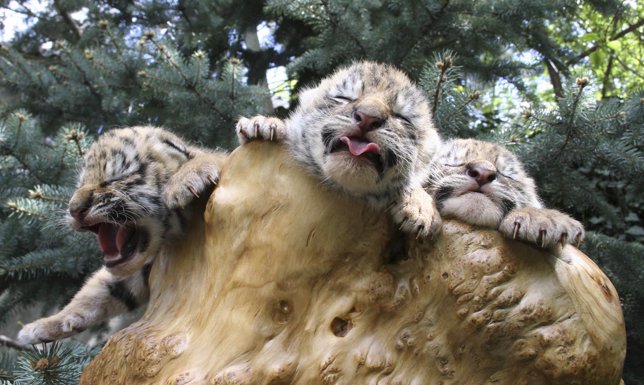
[272,129]
[256,127]
[578,240]
[421,229]
[563,239]
[193,191]
[515,232]
[542,238]
[213,180]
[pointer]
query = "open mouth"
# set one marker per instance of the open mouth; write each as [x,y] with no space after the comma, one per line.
[360,147]
[118,242]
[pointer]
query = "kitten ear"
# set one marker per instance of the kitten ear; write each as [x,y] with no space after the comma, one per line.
[307,97]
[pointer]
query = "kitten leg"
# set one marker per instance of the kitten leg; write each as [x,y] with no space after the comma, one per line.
[415,212]
[103,296]
[260,128]
[193,179]
[545,228]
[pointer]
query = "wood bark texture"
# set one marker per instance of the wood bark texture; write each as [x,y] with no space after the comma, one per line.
[286,282]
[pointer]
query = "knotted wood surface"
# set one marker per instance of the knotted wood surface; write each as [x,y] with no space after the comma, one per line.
[288,283]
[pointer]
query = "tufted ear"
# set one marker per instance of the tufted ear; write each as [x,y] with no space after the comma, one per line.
[307,97]
[285,282]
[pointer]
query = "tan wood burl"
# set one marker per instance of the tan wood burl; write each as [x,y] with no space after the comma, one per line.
[288,283]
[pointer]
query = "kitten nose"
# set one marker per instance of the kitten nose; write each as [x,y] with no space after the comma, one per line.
[366,122]
[78,212]
[483,172]
[80,203]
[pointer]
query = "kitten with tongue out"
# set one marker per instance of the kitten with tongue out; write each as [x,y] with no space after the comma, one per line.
[365,131]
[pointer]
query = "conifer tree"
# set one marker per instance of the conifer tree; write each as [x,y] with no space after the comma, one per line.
[191,66]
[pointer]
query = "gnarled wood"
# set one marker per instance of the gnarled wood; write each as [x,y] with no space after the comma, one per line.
[287,283]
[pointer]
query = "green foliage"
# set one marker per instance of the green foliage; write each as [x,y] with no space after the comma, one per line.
[41,260]
[608,41]
[53,364]
[119,74]
[450,102]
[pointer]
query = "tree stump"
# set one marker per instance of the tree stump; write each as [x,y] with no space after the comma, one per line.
[286,282]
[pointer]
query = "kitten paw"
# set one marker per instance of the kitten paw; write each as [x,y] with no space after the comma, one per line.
[51,329]
[193,179]
[416,214]
[544,227]
[260,128]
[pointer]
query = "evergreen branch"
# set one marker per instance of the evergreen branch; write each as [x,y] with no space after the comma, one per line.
[443,66]
[84,76]
[531,115]
[622,33]
[232,80]
[10,343]
[104,24]
[555,78]
[39,195]
[607,74]
[9,151]
[68,19]
[582,83]
[26,11]
[20,210]
[628,68]
[192,87]
[474,96]
[333,20]
[76,137]
[181,7]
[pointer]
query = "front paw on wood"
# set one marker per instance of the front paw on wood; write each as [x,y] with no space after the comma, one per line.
[545,228]
[416,214]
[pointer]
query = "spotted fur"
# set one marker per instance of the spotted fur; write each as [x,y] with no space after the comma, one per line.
[485,184]
[135,192]
[366,131]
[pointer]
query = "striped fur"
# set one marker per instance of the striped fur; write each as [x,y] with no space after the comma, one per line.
[366,105]
[483,183]
[135,192]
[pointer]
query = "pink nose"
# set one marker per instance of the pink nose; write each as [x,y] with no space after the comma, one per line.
[366,122]
[480,174]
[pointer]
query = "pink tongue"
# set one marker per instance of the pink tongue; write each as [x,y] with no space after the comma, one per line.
[358,147]
[111,238]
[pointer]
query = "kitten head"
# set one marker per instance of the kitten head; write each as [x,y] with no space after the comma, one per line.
[479,182]
[366,129]
[119,194]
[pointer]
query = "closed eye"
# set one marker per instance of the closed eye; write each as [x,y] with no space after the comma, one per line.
[121,177]
[341,99]
[403,118]
[454,165]
[505,176]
